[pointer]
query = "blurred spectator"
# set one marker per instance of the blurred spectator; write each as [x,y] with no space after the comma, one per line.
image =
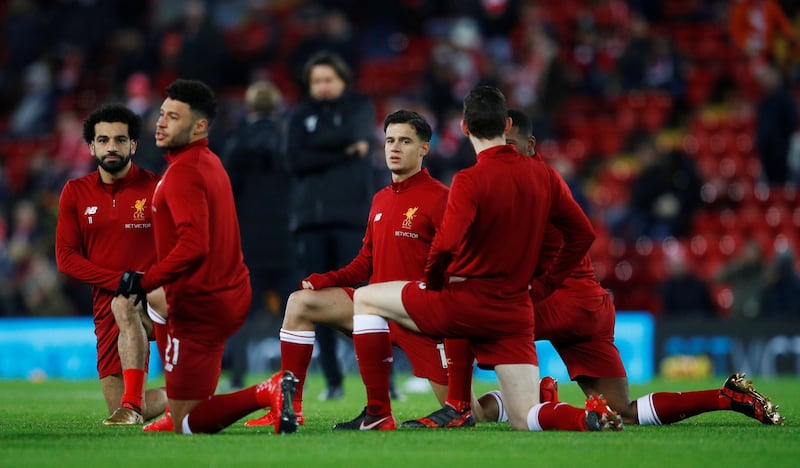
[781,295]
[40,288]
[664,68]
[756,24]
[683,293]
[776,122]
[456,65]
[255,162]
[665,195]
[24,28]
[633,61]
[35,113]
[535,79]
[35,279]
[26,232]
[253,41]
[323,30]
[746,275]
[651,61]
[329,147]
[8,298]
[201,51]
[139,97]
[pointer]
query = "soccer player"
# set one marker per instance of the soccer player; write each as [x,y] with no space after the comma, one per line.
[199,263]
[578,319]
[477,277]
[104,227]
[403,220]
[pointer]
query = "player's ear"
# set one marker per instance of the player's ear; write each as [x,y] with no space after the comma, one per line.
[201,126]
[134,145]
[464,128]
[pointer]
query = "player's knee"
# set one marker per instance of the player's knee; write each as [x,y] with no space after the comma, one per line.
[124,311]
[298,306]
[361,300]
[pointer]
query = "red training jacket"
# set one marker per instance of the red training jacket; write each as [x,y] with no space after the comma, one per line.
[403,220]
[495,222]
[196,229]
[105,229]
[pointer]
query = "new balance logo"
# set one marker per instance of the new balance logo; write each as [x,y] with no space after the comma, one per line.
[377,217]
[90,210]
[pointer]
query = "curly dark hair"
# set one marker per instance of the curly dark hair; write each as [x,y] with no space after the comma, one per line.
[112,113]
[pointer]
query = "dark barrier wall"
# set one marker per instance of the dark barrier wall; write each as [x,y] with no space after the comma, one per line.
[759,347]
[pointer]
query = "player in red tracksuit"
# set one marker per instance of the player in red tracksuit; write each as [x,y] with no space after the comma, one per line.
[105,227]
[201,267]
[403,220]
[578,319]
[478,274]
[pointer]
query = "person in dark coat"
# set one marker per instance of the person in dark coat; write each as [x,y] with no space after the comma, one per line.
[256,165]
[776,122]
[330,138]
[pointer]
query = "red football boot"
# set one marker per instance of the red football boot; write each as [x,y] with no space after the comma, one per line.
[277,393]
[162,424]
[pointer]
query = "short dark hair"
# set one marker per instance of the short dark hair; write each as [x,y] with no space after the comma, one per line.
[198,95]
[521,120]
[414,119]
[485,112]
[333,60]
[112,113]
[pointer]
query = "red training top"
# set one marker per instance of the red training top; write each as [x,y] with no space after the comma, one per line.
[403,220]
[582,278]
[495,221]
[196,229]
[105,229]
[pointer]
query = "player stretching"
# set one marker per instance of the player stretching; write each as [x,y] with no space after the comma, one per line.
[587,345]
[104,228]
[200,264]
[477,277]
[402,222]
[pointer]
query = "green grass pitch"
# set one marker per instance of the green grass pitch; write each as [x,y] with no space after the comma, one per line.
[57,424]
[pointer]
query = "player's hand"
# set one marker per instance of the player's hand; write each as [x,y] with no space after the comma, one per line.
[359,148]
[316,281]
[130,283]
[539,290]
[433,282]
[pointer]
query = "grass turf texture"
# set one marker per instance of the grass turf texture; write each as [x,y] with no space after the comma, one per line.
[58,423]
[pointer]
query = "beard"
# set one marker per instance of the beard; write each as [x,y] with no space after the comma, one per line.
[179,139]
[112,167]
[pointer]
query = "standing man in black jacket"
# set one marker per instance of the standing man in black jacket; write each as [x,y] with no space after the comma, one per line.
[256,164]
[330,139]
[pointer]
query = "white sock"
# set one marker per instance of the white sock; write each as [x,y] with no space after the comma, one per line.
[298,337]
[646,411]
[533,418]
[185,425]
[365,323]
[502,415]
